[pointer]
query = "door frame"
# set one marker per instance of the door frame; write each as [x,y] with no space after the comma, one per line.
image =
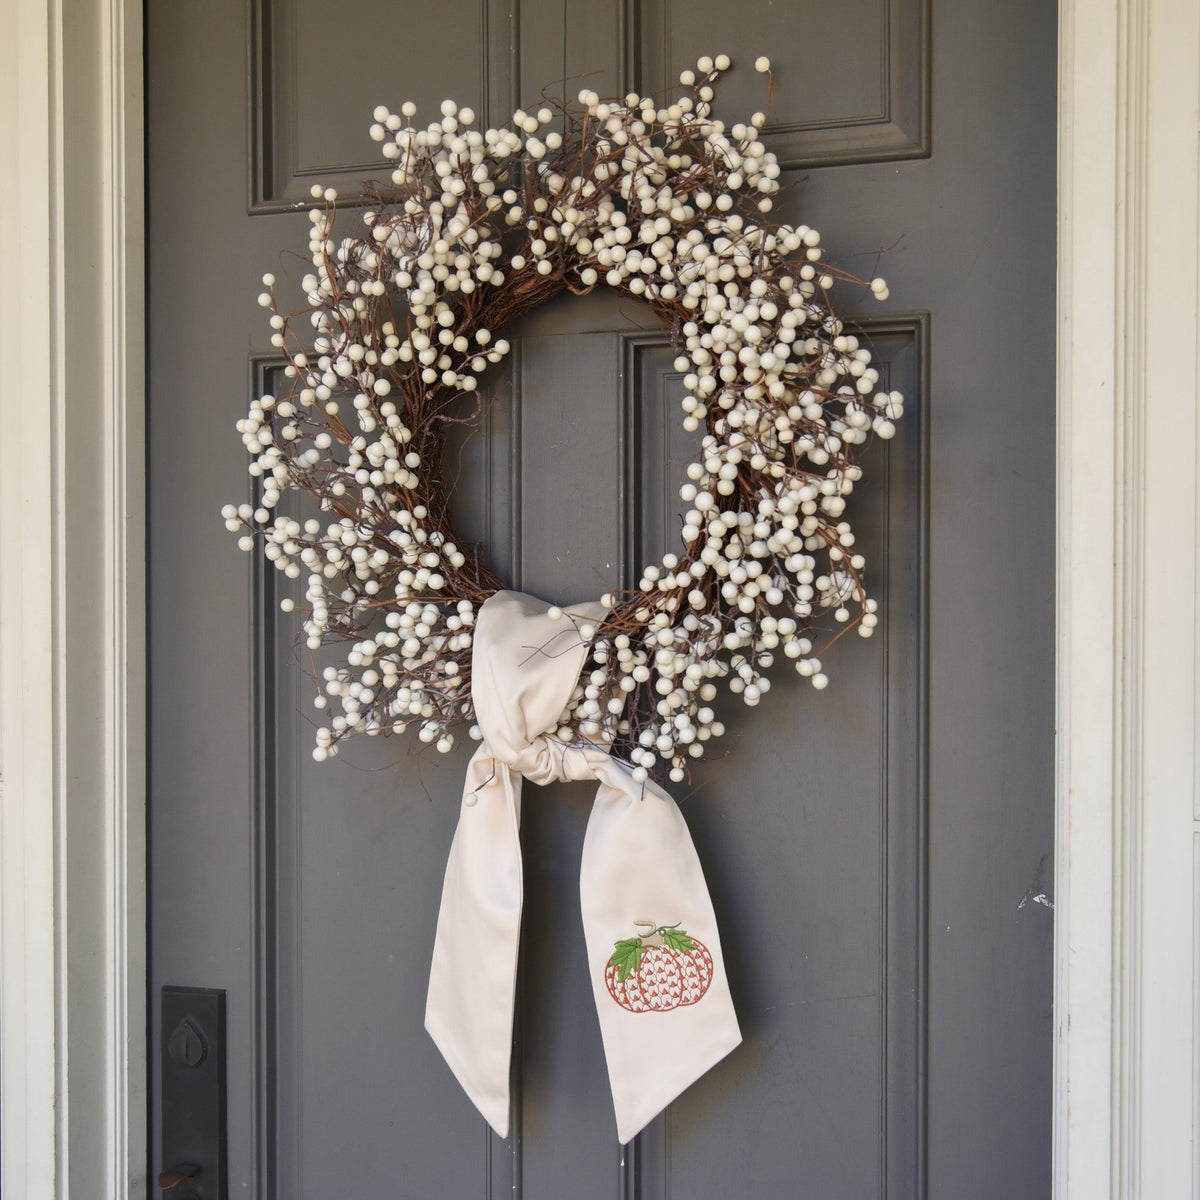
[1127,806]
[72,606]
[72,613]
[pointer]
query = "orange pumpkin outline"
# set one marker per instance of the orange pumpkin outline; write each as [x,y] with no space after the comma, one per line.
[634,975]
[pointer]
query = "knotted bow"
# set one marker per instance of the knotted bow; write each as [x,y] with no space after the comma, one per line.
[674,1019]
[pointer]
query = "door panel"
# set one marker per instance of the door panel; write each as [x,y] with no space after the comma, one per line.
[314,80]
[862,94]
[866,849]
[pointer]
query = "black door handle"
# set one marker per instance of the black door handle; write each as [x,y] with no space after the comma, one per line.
[192,1151]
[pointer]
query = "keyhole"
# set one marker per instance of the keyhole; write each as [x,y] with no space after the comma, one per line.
[186,1045]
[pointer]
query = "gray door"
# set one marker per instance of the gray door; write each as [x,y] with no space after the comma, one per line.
[876,894]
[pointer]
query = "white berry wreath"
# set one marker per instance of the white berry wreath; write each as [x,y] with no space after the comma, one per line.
[666,204]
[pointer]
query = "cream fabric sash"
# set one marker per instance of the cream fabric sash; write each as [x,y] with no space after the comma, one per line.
[638,864]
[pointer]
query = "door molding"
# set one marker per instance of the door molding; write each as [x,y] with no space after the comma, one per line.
[72,881]
[72,617]
[1127,822]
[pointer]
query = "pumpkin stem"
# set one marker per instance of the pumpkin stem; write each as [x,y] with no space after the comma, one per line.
[652,935]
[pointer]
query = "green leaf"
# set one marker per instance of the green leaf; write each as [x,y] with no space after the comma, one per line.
[677,939]
[627,957]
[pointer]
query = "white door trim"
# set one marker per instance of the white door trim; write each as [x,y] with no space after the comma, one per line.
[1127,820]
[27,899]
[72,618]
[1087,542]
[72,888]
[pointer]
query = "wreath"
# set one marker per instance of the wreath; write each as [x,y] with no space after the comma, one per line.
[665,204]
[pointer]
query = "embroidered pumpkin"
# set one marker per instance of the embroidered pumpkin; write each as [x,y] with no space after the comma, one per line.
[659,970]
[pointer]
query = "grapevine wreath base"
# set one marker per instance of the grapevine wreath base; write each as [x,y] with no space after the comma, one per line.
[665,204]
